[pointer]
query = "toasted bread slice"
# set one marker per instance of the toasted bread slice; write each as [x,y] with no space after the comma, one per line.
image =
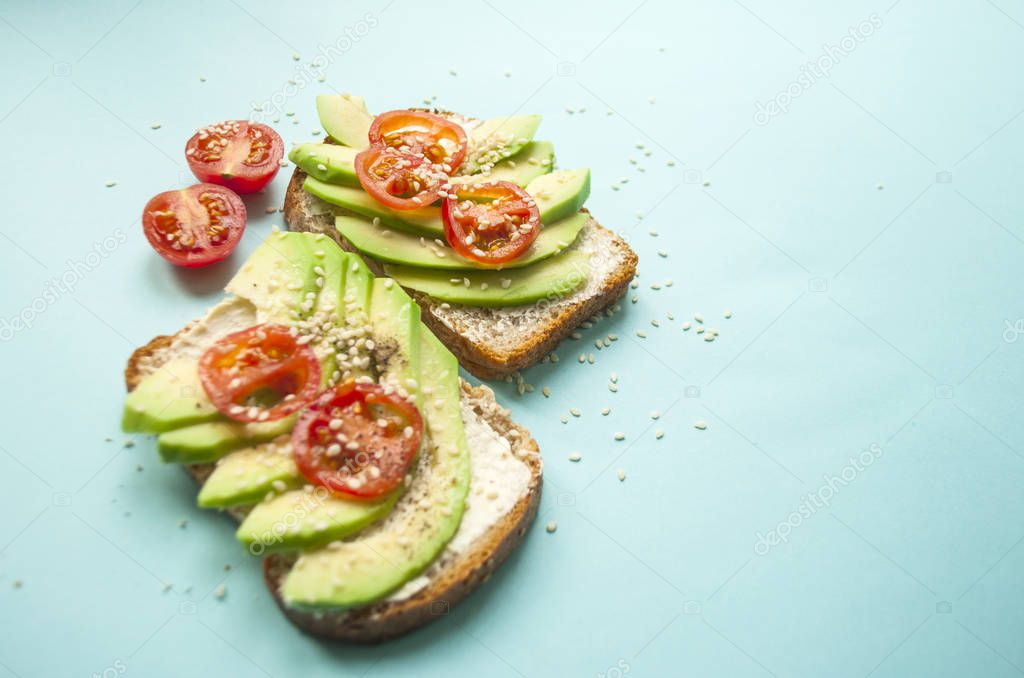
[449,579]
[494,342]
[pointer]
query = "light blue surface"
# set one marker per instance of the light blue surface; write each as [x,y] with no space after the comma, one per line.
[869,241]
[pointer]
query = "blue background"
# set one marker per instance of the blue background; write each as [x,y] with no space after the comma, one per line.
[868,240]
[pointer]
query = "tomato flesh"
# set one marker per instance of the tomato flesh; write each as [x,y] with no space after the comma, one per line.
[242,155]
[399,180]
[194,226]
[440,141]
[357,439]
[493,222]
[262,373]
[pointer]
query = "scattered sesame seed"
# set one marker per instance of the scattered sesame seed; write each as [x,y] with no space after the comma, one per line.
[613,388]
[546,391]
[655,414]
[641,334]
[727,314]
[575,456]
[662,253]
[155,125]
[110,184]
[582,358]
[655,323]
[700,425]
[619,435]
[296,56]
[659,434]
[590,358]
[575,412]
[220,592]
[564,419]
[551,527]
[709,337]
[706,184]
[606,411]
[621,473]
[698,317]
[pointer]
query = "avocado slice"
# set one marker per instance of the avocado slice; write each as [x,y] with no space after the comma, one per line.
[329,163]
[245,477]
[536,158]
[345,119]
[279,278]
[308,517]
[210,441]
[169,398]
[401,248]
[494,140]
[424,221]
[370,566]
[560,193]
[550,279]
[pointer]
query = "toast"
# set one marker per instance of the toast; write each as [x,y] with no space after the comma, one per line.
[492,343]
[450,578]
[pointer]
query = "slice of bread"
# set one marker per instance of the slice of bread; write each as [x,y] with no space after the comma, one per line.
[450,578]
[494,342]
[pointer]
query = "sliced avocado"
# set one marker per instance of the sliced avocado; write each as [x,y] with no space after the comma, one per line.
[307,517]
[345,119]
[422,221]
[560,193]
[358,284]
[329,163]
[330,264]
[550,279]
[369,567]
[535,159]
[212,440]
[499,138]
[245,477]
[169,398]
[402,248]
[279,278]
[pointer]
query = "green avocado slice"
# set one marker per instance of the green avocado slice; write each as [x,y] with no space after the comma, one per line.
[345,119]
[311,516]
[210,441]
[494,140]
[422,221]
[401,248]
[279,278]
[330,163]
[169,398]
[370,566]
[550,280]
[246,476]
[560,193]
[536,158]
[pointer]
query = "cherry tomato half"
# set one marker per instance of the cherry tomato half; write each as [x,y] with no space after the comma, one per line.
[357,439]
[261,373]
[440,141]
[492,222]
[242,155]
[194,226]
[401,181]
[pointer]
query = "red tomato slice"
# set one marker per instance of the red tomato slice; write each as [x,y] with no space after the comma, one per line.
[244,156]
[440,141]
[262,373]
[491,222]
[398,180]
[194,226]
[357,439]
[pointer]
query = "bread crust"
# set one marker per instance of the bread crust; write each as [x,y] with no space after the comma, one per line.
[384,620]
[478,358]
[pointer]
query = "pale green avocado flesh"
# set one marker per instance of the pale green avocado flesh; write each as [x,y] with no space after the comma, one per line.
[368,567]
[401,248]
[329,163]
[494,140]
[279,278]
[345,119]
[535,159]
[246,476]
[201,443]
[552,279]
[169,398]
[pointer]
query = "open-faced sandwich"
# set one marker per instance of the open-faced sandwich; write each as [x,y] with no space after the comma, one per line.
[470,217]
[314,407]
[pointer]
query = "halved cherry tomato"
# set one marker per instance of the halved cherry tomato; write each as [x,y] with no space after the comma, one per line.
[194,226]
[242,155]
[492,222]
[401,181]
[357,439]
[261,373]
[441,141]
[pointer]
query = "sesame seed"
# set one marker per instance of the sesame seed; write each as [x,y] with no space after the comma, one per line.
[619,435]
[641,334]
[700,425]
[659,434]
[655,414]
[564,419]
[606,411]
[662,253]
[655,323]
[155,125]
[575,456]
[613,388]
[110,184]
[574,412]
[727,314]
[621,473]
[686,327]
[698,317]
[546,391]
[551,527]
